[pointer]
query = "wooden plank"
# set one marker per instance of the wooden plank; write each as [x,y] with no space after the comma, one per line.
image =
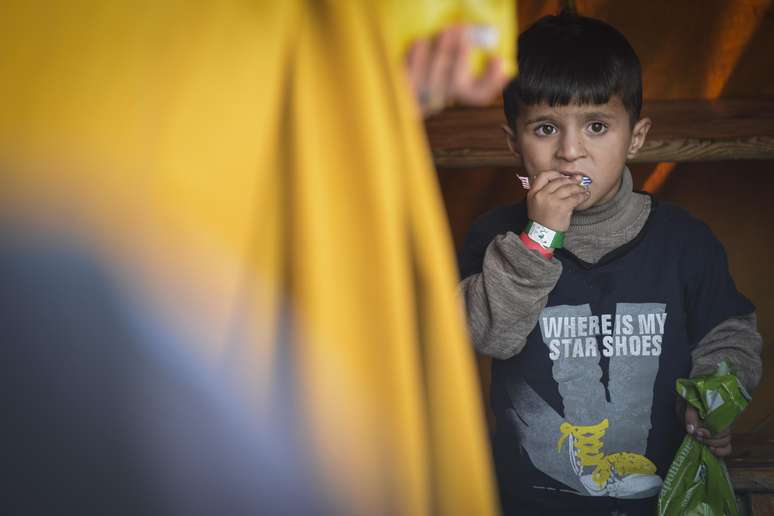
[755,480]
[690,149]
[762,505]
[691,130]
[751,465]
[752,450]
[471,158]
[654,151]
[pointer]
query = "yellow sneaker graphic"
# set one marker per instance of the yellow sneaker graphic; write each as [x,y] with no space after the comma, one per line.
[585,444]
[620,475]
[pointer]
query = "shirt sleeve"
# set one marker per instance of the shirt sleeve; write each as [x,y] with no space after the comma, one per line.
[737,341]
[711,295]
[503,301]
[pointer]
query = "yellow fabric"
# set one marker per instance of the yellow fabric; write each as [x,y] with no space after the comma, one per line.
[257,172]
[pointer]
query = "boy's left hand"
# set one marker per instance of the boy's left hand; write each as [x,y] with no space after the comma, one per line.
[719,444]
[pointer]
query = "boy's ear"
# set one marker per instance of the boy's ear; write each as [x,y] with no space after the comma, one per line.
[639,133]
[510,140]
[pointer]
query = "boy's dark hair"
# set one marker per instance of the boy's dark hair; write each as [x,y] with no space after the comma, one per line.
[571,59]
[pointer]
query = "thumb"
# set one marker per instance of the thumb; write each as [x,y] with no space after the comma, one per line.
[691,419]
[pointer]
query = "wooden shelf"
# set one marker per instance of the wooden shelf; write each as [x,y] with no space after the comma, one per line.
[752,451]
[683,130]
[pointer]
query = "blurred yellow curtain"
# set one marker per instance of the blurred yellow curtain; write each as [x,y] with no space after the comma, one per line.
[257,172]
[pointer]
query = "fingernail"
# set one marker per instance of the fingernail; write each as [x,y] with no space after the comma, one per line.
[585,181]
[483,36]
[690,428]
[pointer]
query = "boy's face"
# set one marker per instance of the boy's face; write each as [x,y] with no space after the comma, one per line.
[594,140]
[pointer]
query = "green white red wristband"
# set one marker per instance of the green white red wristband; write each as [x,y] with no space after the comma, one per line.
[546,237]
[534,246]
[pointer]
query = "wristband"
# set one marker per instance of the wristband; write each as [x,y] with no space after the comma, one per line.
[531,244]
[544,236]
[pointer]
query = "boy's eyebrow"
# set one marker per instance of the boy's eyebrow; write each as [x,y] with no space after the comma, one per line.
[549,118]
[598,114]
[541,118]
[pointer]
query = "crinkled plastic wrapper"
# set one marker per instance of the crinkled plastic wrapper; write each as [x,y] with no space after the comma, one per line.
[697,483]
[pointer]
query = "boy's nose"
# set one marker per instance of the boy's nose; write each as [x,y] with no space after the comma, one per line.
[570,148]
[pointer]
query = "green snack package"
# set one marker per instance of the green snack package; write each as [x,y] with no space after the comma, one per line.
[697,483]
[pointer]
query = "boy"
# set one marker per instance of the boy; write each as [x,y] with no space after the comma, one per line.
[592,298]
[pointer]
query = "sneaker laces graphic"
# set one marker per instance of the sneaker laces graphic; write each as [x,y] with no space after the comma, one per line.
[585,444]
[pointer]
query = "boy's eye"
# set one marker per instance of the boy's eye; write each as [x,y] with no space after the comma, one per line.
[545,130]
[597,127]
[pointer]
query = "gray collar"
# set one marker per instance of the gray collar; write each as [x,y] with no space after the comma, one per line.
[615,215]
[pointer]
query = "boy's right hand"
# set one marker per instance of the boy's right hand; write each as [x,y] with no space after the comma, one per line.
[553,197]
[719,444]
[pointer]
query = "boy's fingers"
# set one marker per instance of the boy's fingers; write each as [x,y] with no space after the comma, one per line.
[717,442]
[559,183]
[543,178]
[723,451]
[581,196]
[691,420]
[567,191]
[720,439]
